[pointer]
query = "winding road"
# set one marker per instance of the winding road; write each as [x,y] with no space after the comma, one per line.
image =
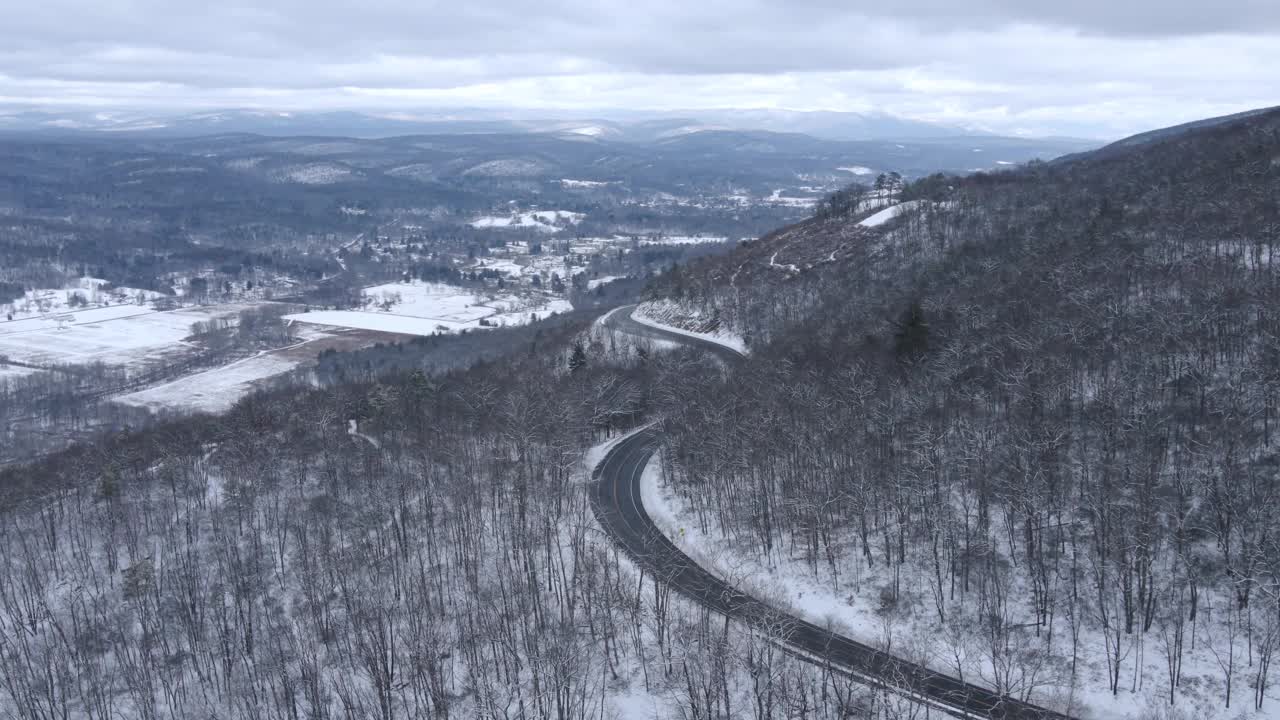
[617,504]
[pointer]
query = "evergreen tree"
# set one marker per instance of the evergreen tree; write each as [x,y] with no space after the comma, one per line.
[578,359]
[913,333]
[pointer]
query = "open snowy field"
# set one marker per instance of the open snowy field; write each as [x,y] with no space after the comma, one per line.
[48,321]
[117,335]
[683,239]
[88,294]
[420,308]
[214,390]
[543,220]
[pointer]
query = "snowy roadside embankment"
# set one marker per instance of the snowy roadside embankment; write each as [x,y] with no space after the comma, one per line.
[787,587]
[673,317]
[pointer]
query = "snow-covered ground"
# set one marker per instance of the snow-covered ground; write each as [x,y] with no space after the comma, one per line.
[8,372]
[316,174]
[777,198]
[89,294]
[543,220]
[667,315]
[889,213]
[119,334]
[788,267]
[570,183]
[420,308]
[593,284]
[381,322]
[683,239]
[859,170]
[67,318]
[212,391]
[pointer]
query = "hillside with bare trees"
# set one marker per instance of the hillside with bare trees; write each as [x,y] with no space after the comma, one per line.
[1030,421]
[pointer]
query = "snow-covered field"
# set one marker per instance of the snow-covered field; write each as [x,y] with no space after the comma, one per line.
[211,391]
[683,239]
[858,170]
[381,322]
[889,213]
[543,220]
[119,334]
[509,267]
[420,308]
[89,293]
[777,198]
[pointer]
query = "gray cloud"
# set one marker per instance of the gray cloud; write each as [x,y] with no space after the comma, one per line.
[1113,65]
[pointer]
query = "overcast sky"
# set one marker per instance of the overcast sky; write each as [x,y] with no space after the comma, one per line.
[1085,67]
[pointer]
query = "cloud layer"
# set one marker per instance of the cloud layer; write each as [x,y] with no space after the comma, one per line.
[1098,67]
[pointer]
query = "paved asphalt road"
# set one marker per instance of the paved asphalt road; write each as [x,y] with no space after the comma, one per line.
[616,501]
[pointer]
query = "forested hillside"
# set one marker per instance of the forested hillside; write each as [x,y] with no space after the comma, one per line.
[1032,420]
[419,546]
[1018,430]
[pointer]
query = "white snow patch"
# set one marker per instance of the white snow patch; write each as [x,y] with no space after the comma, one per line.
[683,239]
[889,213]
[420,308]
[777,198]
[212,391]
[583,183]
[593,284]
[543,220]
[120,334]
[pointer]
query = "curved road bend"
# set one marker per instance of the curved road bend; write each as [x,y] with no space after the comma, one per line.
[616,502]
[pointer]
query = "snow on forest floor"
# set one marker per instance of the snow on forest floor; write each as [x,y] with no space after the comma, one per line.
[673,317]
[855,606]
[631,699]
[421,308]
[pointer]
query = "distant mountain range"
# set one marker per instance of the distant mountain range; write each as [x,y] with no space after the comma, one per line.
[623,126]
